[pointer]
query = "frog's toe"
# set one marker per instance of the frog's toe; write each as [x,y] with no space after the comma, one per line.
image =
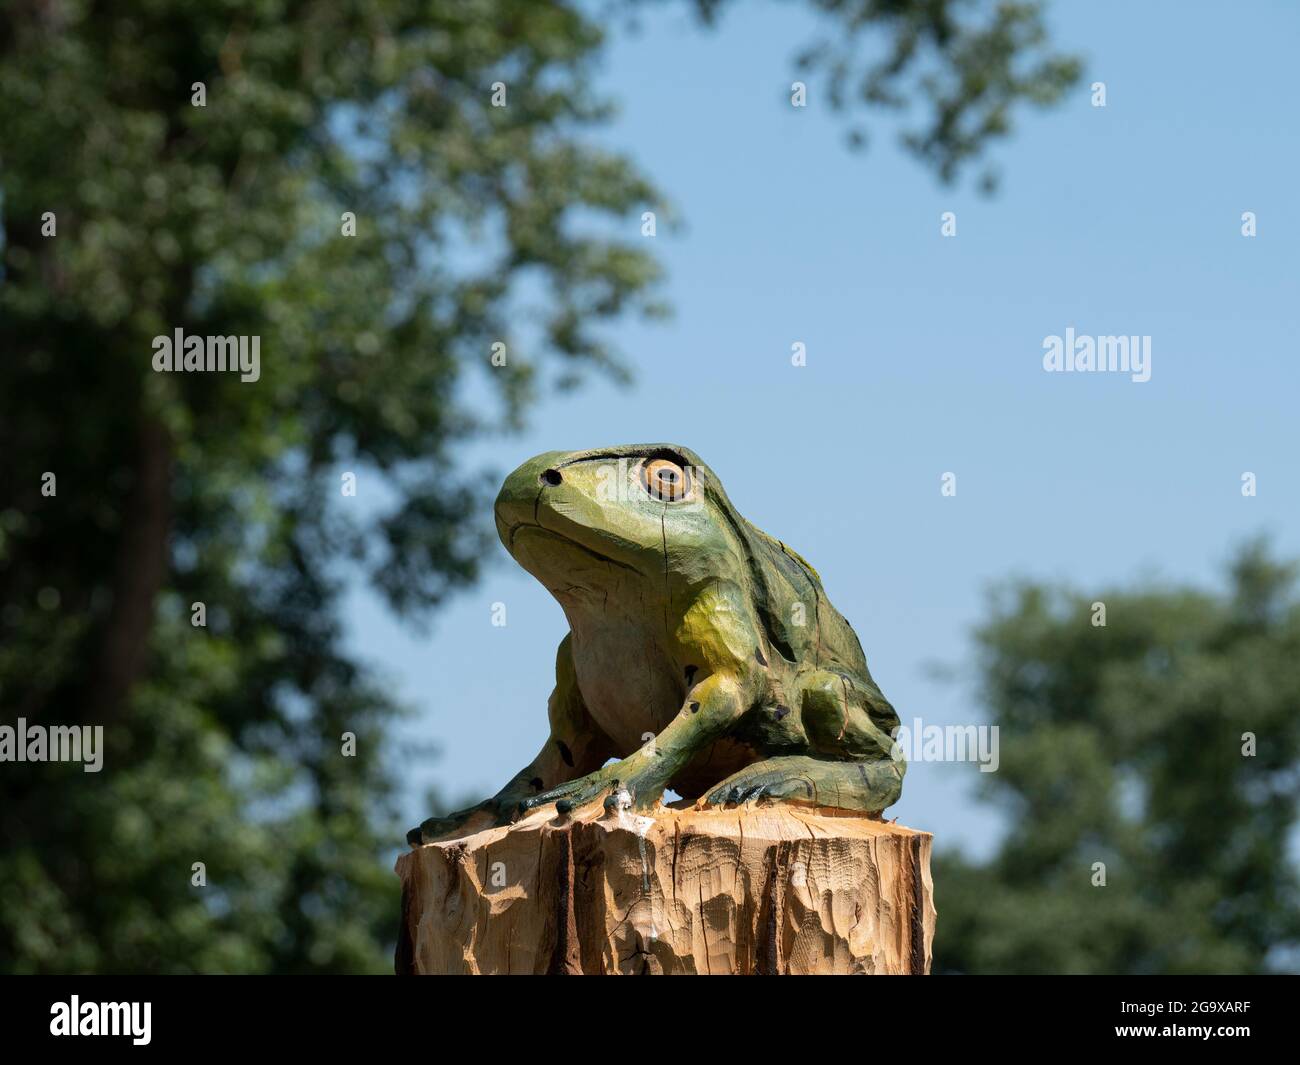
[737,796]
[527,806]
[430,829]
[727,794]
[537,802]
[575,793]
[747,788]
[619,799]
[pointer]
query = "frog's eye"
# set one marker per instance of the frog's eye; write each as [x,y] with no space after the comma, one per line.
[665,480]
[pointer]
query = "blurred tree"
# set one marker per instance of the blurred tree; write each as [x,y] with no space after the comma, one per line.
[1124,744]
[199,161]
[971,62]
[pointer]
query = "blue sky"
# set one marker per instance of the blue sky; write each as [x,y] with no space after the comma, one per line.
[925,356]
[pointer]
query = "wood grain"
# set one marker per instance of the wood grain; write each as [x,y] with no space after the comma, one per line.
[769,889]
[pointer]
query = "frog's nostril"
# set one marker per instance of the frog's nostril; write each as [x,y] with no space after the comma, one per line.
[551,477]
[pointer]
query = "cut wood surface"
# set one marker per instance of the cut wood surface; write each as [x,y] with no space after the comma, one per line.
[766,889]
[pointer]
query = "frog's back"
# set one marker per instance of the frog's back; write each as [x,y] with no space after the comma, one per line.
[802,624]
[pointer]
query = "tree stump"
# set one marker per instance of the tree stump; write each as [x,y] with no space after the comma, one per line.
[765,890]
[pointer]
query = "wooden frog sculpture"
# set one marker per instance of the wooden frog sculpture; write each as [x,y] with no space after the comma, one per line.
[702,653]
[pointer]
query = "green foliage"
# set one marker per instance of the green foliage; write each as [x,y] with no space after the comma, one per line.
[224,743]
[474,224]
[1123,744]
[972,63]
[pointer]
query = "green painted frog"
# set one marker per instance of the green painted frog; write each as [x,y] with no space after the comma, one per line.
[703,655]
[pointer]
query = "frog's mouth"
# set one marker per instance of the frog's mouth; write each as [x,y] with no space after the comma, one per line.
[568,541]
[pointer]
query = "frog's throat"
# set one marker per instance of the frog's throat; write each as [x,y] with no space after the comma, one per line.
[568,541]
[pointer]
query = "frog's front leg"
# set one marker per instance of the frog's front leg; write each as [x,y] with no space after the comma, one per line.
[711,708]
[575,746]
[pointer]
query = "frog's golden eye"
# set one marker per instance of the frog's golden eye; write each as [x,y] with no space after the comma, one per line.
[665,480]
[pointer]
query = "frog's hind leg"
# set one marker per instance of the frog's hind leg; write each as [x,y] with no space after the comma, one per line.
[866,786]
[846,718]
[850,759]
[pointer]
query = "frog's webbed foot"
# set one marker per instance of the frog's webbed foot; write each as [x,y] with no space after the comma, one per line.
[573,794]
[434,826]
[865,786]
[623,783]
[750,785]
[484,815]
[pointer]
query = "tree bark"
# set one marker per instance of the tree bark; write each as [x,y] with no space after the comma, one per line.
[142,564]
[777,889]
